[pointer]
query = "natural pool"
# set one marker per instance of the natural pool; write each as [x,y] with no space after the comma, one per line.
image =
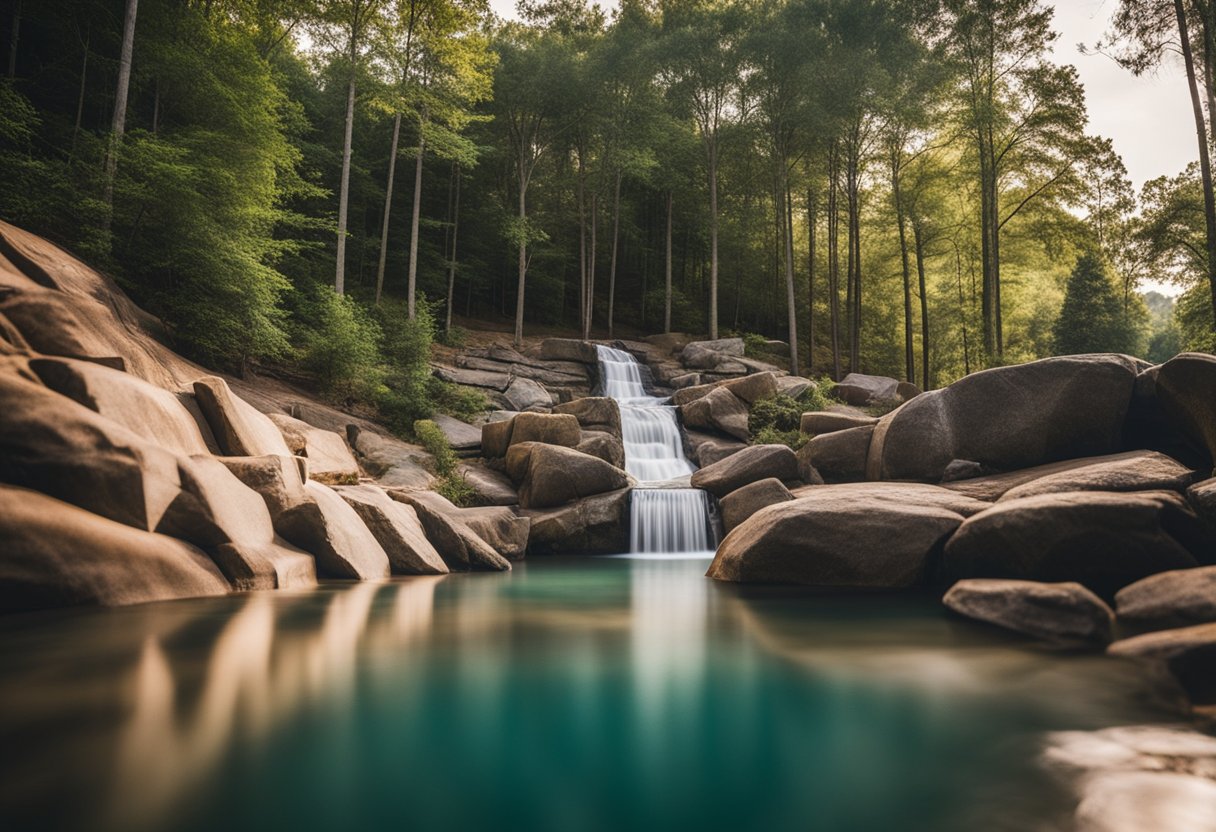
[571,694]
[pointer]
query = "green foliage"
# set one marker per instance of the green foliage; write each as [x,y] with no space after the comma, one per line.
[754,344]
[452,484]
[780,412]
[1093,318]
[818,396]
[340,346]
[769,435]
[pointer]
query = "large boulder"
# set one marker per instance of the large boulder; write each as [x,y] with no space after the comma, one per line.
[1186,391]
[825,421]
[597,413]
[464,438]
[568,349]
[597,525]
[839,456]
[708,448]
[501,528]
[276,478]
[1202,496]
[708,354]
[719,410]
[1128,471]
[742,503]
[394,464]
[330,460]
[749,388]
[1008,418]
[750,465]
[337,537]
[794,386]
[144,409]
[57,555]
[604,446]
[1066,613]
[828,538]
[549,475]
[899,494]
[1102,540]
[1170,599]
[1189,653]
[860,390]
[396,528]
[549,428]
[526,394]
[490,487]
[461,548]
[239,428]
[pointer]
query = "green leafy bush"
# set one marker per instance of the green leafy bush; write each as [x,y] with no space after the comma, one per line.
[452,483]
[341,347]
[769,435]
[456,489]
[754,345]
[818,396]
[780,413]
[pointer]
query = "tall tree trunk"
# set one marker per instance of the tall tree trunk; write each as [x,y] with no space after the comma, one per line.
[989,331]
[667,275]
[119,122]
[344,186]
[713,238]
[84,75]
[790,296]
[388,206]
[584,298]
[918,241]
[1205,161]
[447,325]
[13,40]
[897,199]
[415,216]
[156,109]
[523,251]
[616,228]
[811,211]
[853,292]
[595,214]
[834,255]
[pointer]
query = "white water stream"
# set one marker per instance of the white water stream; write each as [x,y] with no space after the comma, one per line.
[666,516]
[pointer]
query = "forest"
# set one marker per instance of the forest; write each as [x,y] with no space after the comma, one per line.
[899,187]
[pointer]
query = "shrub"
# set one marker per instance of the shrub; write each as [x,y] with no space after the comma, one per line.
[452,483]
[465,403]
[754,345]
[780,412]
[456,489]
[818,397]
[341,347]
[769,435]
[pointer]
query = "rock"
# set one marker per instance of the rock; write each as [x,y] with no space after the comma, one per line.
[745,467]
[860,390]
[719,410]
[706,449]
[340,541]
[490,487]
[1102,540]
[329,458]
[822,421]
[473,378]
[460,435]
[597,525]
[899,493]
[549,475]
[239,428]
[1136,801]
[396,528]
[598,413]
[830,538]
[524,394]
[685,380]
[500,528]
[604,446]
[275,478]
[1135,471]
[1170,599]
[1067,613]
[839,456]
[57,555]
[459,546]
[1186,391]
[1189,653]
[964,469]
[496,438]
[794,386]
[742,503]
[394,464]
[568,349]
[707,354]
[1112,468]
[54,323]
[749,388]
[549,428]
[1202,496]
[906,391]
[1008,418]
[777,347]
[146,410]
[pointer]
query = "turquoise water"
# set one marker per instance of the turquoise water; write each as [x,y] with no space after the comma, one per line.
[588,694]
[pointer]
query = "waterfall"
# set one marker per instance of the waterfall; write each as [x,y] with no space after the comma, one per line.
[666,516]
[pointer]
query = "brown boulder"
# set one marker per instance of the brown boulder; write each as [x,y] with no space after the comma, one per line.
[396,528]
[526,394]
[1202,496]
[340,541]
[749,388]
[860,390]
[1135,471]
[707,448]
[1066,613]
[597,525]
[597,413]
[1170,599]
[496,438]
[709,354]
[839,456]
[750,465]
[501,528]
[550,428]
[567,349]
[1189,653]
[824,421]
[330,461]
[460,547]
[276,478]
[57,555]
[490,487]
[239,428]
[1113,469]
[900,493]
[549,475]
[394,464]
[1186,391]
[604,446]
[742,503]
[719,410]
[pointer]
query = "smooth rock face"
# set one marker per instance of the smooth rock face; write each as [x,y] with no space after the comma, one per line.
[859,389]
[899,493]
[597,525]
[742,503]
[1186,390]
[706,448]
[1063,612]
[460,547]
[839,540]
[1170,599]
[719,410]
[749,465]
[239,428]
[1102,540]
[708,354]
[329,459]
[598,413]
[552,475]
[1008,418]
[276,478]
[1188,652]
[394,464]
[839,456]
[793,386]
[58,555]
[338,538]
[567,349]
[984,485]
[491,487]
[822,421]
[1202,497]
[604,446]
[396,528]
[1137,471]
[144,409]
[749,388]
[549,428]
[460,435]
[474,378]
[525,394]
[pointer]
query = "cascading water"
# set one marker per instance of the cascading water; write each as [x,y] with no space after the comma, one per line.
[666,515]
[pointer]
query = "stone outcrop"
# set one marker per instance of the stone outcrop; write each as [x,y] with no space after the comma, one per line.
[526,394]
[551,475]
[825,421]
[839,456]
[336,536]
[1170,599]
[1067,613]
[597,525]
[1008,418]
[604,446]
[330,460]
[397,529]
[594,413]
[567,349]
[1186,390]
[749,465]
[719,410]
[860,390]
[1188,652]
[239,428]
[707,448]
[709,354]
[742,503]
[461,548]
[490,487]
[394,464]
[1128,471]
[750,389]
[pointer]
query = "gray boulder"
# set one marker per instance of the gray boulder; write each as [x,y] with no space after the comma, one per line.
[749,465]
[567,349]
[396,528]
[742,503]
[1066,613]
[492,488]
[825,421]
[597,525]
[598,413]
[839,456]
[1170,599]
[708,354]
[394,464]
[526,394]
[860,390]
[1186,391]
[719,410]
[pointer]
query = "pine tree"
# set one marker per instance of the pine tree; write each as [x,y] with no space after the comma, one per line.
[1092,318]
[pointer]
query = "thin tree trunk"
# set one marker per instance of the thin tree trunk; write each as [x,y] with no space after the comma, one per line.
[595,215]
[1205,162]
[989,331]
[118,125]
[388,205]
[156,109]
[918,241]
[523,251]
[584,297]
[452,262]
[616,228]
[787,223]
[414,219]
[849,298]
[811,211]
[713,239]
[897,198]
[84,75]
[14,37]
[834,256]
[667,293]
[344,186]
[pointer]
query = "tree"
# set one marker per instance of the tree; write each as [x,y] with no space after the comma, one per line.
[1092,318]
[119,121]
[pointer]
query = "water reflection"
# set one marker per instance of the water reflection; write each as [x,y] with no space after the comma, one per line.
[593,694]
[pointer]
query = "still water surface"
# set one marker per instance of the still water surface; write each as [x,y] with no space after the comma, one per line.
[572,694]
